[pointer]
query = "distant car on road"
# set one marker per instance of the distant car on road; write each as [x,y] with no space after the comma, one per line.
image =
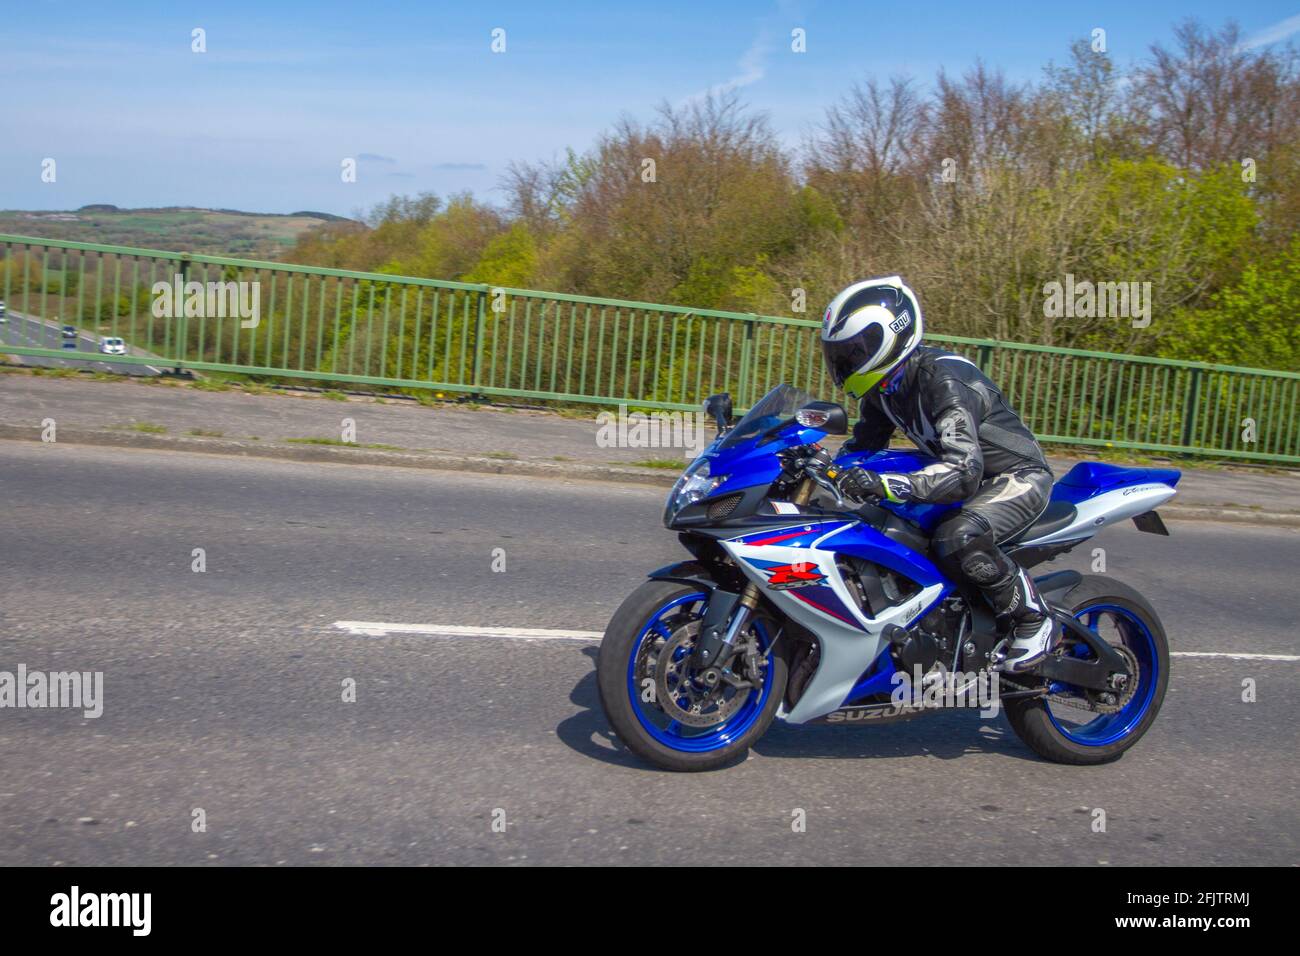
[3,317]
[69,331]
[112,345]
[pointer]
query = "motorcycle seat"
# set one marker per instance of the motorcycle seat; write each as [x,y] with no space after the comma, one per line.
[1057,515]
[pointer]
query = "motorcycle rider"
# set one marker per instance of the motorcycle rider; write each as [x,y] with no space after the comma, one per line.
[987,458]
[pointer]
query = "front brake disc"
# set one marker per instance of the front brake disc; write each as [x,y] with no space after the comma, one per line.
[679,692]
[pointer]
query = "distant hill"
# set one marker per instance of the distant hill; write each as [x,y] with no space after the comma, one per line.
[221,232]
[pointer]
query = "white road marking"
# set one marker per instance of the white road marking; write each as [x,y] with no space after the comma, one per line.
[383,629]
[1237,657]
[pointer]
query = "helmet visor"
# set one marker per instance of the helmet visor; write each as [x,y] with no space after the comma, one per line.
[850,355]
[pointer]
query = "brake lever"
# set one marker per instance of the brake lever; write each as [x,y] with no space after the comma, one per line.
[819,478]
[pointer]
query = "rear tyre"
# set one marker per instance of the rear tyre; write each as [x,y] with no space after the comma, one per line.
[1070,735]
[649,635]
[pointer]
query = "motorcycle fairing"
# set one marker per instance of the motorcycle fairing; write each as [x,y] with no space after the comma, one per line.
[851,642]
[751,463]
[1103,495]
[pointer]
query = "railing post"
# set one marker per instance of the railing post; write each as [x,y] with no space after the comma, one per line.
[179,307]
[746,356]
[1189,407]
[479,324]
[986,353]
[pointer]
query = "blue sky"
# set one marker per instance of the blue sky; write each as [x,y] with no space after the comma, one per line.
[286,90]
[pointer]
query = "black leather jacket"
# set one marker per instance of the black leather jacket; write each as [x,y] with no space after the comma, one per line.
[952,411]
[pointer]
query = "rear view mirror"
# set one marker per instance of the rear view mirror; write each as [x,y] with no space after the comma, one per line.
[719,408]
[824,416]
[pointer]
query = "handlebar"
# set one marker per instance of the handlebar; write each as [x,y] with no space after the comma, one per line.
[814,463]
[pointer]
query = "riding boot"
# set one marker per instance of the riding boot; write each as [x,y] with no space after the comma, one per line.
[1015,600]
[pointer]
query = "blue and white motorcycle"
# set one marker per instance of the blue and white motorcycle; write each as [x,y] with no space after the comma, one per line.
[799,606]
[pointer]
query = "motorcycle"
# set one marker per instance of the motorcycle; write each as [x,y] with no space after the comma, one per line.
[796,605]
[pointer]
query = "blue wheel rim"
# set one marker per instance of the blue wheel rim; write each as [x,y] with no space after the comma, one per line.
[1136,637]
[674,735]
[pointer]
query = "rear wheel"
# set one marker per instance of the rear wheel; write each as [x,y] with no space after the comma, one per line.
[1074,726]
[669,712]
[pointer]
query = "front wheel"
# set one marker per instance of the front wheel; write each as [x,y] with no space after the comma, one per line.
[669,712]
[1072,726]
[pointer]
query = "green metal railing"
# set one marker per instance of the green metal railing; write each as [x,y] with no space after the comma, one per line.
[339,326]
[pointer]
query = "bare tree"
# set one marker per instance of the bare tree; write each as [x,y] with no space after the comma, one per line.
[1214,100]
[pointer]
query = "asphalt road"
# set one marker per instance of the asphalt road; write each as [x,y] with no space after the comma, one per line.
[223,690]
[32,332]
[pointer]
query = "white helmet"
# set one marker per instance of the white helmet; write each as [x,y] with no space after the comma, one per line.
[869,329]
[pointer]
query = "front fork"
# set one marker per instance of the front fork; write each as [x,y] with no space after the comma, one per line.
[728,613]
[723,623]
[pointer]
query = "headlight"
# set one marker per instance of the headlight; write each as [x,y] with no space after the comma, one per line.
[694,484]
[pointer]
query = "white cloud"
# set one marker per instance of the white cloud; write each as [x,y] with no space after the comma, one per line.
[1278,31]
[752,67]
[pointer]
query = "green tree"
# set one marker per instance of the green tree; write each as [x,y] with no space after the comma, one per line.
[509,259]
[1252,322]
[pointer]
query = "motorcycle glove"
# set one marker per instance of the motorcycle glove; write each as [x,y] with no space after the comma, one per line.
[861,484]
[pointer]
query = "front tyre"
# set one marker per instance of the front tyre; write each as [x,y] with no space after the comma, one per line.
[659,705]
[1068,726]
